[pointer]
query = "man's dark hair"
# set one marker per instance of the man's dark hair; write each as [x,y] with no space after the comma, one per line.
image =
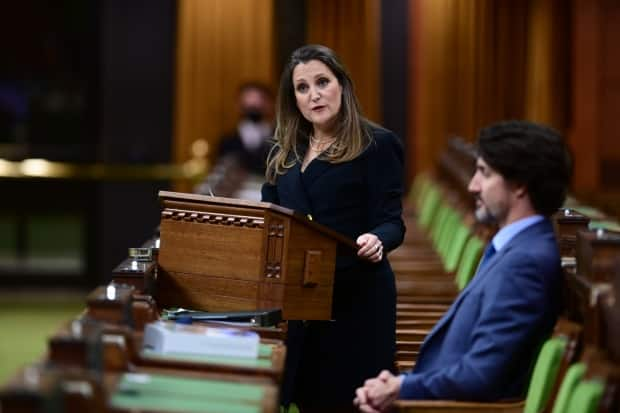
[255,85]
[529,154]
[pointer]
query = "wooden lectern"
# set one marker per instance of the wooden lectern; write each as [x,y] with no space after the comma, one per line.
[223,254]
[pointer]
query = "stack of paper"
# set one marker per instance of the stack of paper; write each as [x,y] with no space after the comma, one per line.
[167,337]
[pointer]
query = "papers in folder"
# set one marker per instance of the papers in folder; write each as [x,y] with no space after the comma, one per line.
[168,338]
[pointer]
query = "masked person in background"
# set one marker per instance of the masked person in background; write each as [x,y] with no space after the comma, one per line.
[250,141]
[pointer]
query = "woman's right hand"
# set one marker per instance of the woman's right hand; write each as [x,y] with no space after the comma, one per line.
[371,247]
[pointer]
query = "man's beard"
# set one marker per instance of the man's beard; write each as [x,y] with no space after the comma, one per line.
[484,216]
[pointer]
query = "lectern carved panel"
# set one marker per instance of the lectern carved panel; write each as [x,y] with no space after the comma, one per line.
[275,247]
[213,218]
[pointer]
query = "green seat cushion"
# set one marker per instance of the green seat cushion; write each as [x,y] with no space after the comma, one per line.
[586,397]
[571,379]
[444,241]
[421,184]
[429,207]
[438,223]
[469,261]
[545,374]
[457,245]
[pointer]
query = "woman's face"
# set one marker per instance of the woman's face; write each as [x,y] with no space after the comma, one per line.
[318,94]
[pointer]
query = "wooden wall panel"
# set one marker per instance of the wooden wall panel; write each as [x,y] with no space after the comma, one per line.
[595,106]
[477,62]
[220,44]
[430,85]
[585,82]
[351,29]
[510,54]
[610,136]
[547,64]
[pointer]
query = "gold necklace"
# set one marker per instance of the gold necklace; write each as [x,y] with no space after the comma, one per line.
[320,145]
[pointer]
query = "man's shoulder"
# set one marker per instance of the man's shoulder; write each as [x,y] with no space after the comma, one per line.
[540,234]
[534,252]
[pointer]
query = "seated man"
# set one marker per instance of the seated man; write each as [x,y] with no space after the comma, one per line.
[483,348]
[250,142]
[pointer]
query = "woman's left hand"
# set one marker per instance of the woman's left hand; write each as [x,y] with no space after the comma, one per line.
[371,248]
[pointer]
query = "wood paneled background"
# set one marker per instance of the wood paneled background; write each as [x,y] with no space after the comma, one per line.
[476,62]
[595,85]
[220,44]
[351,29]
[471,62]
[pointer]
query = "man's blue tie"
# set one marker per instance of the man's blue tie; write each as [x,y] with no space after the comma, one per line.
[488,253]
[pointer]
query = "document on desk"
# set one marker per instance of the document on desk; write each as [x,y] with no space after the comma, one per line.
[167,337]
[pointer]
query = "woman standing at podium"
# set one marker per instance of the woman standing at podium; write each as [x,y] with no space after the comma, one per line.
[346,173]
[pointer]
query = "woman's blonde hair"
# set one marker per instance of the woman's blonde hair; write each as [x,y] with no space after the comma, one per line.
[351,132]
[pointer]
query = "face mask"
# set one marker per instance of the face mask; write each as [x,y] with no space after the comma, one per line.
[253,115]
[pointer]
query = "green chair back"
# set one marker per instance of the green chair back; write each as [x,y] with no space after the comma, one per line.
[567,388]
[421,184]
[429,207]
[457,245]
[545,374]
[438,223]
[469,262]
[448,228]
[291,408]
[586,397]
